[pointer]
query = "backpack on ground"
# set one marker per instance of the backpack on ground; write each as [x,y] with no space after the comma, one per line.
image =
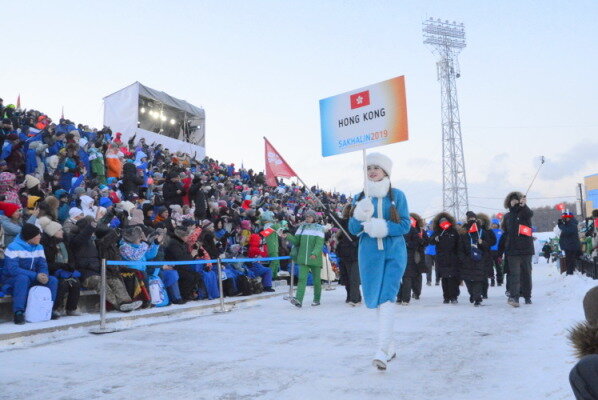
[157,290]
[244,285]
[39,304]
[256,285]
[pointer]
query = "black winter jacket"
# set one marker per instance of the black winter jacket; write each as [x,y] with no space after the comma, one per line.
[447,250]
[345,249]
[470,269]
[415,251]
[169,192]
[131,181]
[515,243]
[84,250]
[198,197]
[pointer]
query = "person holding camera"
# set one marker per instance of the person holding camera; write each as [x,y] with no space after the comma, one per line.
[518,247]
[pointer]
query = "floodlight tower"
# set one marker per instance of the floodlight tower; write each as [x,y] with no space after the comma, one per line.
[447,39]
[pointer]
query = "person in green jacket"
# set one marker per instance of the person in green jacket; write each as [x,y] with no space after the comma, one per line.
[272,241]
[96,158]
[307,253]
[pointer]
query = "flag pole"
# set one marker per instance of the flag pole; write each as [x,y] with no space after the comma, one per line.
[312,193]
[324,207]
[535,176]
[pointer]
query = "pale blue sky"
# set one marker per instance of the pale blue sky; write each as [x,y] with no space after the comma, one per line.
[528,84]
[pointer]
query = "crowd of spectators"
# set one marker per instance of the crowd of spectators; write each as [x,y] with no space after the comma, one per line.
[71,196]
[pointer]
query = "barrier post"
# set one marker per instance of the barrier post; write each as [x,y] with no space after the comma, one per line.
[328,263]
[103,329]
[290,295]
[222,308]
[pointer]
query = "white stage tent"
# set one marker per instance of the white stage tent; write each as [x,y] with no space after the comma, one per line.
[157,117]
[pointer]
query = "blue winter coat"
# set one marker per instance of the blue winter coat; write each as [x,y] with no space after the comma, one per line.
[21,257]
[569,239]
[381,271]
[431,248]
[498,234]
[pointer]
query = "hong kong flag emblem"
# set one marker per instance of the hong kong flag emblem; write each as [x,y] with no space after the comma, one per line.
[360,99]
[525,230]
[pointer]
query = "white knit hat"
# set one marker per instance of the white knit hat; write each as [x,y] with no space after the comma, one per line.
[381,161]
[52,228]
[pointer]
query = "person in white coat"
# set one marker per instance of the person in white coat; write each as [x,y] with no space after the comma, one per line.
[380,219]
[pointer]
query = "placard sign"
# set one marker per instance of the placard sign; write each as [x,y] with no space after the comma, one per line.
[371,116]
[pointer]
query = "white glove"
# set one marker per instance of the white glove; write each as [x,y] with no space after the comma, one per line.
[376,228]
[364,209]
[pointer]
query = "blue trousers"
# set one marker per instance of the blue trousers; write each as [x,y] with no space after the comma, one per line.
[257,269]
[170,278]
[20,289]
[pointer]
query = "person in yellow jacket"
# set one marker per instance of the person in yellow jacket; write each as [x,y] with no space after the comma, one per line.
[307,253]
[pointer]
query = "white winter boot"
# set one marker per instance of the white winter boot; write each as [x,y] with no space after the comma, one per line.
[386,348]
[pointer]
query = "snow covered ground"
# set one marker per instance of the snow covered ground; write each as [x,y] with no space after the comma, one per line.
[275,351]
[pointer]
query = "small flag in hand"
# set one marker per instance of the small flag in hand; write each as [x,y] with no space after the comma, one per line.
[267,232]
[525,230]
[473,228]
[445,225]
[560,206]
[500,215]
[360,99]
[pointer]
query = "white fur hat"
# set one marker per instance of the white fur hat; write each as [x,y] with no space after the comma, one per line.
[381,161]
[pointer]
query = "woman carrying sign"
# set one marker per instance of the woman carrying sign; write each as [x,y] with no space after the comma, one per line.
[381,219]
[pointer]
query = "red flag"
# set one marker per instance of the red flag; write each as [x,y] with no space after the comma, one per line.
[267,232]
[276,166]
[445,225]
[473,228]
[360,99]
[525,230]
[413,222]
[500,215]
[595,224]
[560,206]
[19,102]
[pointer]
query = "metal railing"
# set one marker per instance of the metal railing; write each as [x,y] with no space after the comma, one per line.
[141,266]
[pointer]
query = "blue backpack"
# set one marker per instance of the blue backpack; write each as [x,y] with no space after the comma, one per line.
[157,290]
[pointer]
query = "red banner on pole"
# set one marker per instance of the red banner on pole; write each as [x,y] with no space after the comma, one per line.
[276,166]
[473,228]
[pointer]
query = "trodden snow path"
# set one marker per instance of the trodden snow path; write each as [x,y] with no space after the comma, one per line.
[275,351]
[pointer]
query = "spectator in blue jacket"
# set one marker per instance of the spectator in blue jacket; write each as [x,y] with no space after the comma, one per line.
[496,256]
[430,257]
[25,266]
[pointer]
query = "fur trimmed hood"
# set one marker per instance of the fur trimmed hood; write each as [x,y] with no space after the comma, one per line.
[438,217]
[484,220]
[419,222]
[584,337]
[511,196]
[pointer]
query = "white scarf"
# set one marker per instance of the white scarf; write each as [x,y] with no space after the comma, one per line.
[378,189]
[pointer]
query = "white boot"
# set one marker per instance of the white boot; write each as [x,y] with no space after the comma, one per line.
[385,351]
